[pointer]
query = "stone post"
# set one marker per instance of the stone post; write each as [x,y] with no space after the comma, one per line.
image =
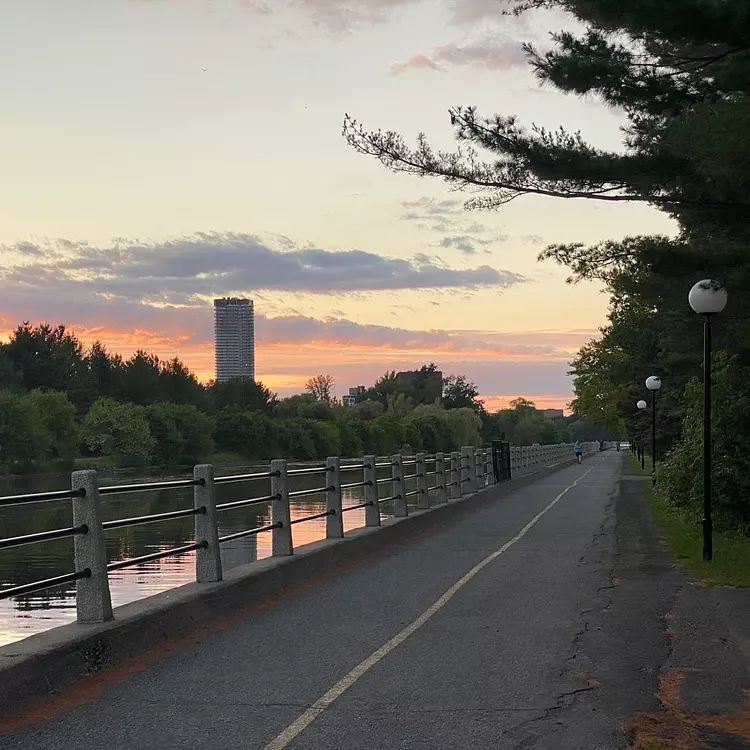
[423,499]
[441,479]
[208,559]
[335,521]
[281,543]
[400,508]
[372,512]
[455,488]
[93,600]
[468,471]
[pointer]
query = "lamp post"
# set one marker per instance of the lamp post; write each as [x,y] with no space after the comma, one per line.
[642,405]
[653,383]
[707,298]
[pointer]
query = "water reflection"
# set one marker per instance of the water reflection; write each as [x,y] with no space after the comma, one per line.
[34,613]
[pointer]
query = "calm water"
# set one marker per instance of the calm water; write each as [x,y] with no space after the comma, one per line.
[34,613]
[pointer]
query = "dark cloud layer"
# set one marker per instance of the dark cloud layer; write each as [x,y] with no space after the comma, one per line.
[215,264]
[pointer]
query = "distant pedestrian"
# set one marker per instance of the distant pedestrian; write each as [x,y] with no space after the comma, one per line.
[578,448]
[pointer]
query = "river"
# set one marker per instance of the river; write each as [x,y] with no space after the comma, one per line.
[26,615]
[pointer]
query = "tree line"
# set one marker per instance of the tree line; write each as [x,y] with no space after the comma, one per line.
[60,401]
[680,72]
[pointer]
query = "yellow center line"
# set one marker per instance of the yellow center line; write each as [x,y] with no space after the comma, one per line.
[320,705]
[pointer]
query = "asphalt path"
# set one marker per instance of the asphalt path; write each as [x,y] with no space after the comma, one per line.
[495,631]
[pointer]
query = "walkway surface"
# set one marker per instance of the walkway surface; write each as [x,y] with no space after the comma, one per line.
[417,647]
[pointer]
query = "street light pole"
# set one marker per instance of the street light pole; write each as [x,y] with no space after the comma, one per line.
[642,454]
[708,542]
[653,383]
[707,298]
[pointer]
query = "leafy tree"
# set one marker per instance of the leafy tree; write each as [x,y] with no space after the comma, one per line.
[58,416]
[367,409]
[141,378]
[168,440]
[321,387]
[385,386]
[252,434]
[243,393]
[23,436]
[458,392]
[118,429]
[289,408]
[48,357]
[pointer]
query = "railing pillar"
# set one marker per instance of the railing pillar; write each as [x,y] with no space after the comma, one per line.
[441,480]
[423,499]
[334,521]
[455,488]
[281,542]
[489,469]
[208,559]
[93,600]
[468,478]
[400,508]
[478,471]
[372,512]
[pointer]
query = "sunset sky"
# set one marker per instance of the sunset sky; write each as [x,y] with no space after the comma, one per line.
[159,153]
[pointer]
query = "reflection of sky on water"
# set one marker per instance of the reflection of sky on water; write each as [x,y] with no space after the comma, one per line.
[25,616]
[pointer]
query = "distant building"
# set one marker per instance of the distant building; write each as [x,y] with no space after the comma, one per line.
[234,331]
[553,413]
[354,396]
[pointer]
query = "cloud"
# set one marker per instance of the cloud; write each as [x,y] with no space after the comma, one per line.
[462,244]
[414,62]
[181,271]
[489,53]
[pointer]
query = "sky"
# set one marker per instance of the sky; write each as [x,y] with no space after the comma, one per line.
[157,154]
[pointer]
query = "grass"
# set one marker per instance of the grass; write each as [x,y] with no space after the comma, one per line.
[682,536]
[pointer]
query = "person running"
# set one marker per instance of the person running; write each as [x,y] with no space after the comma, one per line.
[578,448]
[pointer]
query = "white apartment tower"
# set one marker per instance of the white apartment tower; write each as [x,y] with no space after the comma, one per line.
[234,329]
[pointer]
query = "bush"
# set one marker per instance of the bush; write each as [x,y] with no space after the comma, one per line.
[680,476]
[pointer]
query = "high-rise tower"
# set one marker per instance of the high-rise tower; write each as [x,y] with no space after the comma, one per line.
[234,331]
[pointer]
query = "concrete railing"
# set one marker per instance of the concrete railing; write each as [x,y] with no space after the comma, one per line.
[435,480]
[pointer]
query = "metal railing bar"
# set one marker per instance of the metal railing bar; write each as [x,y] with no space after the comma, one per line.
[243,477]
[43,536]
[355,467]
[313,491]
[410,476]
[383,481]
[47,583]
[408,463]
[355,484]
[137,520]
[361,505]
[430,474]
[243,503]
[389,499]
[149,486]
[430,460]
[40,497]
[384,465]
[414,492]
[308,471]
[325,513]
[249,532]
[156,556]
